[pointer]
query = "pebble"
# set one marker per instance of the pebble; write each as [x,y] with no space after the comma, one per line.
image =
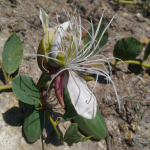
[37,6]
[144,40]
[129,134]
[108,98]
[148,28]
[146,75]
[147,96]
[124,14]
[8,13]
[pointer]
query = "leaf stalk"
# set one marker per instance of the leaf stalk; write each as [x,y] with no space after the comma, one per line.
[132,62]
[4,87]
[4,72]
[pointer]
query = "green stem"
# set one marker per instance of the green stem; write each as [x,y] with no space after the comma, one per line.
[141,114]
[138,119]
[128,2]
[131,99]
[145,110]
[137,122]
[8,77]
[133,62]
[4,72]
[127,61]
[140,106]
[4,87]
[55,128]
[137,111]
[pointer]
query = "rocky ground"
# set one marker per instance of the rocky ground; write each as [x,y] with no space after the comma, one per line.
[22,17]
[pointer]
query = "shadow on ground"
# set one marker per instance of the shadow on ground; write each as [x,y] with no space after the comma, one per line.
[15,117]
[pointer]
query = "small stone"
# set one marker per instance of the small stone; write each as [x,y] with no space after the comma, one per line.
[143,81]
[124,14]
[140,18]
[37,6]
[108,98]
[148,28]
[120,8]
[146,75]
[104,6]
[139,15]
[128,135]
[8,13]
[14,11]
[144,40]
[123,127]
[147,96]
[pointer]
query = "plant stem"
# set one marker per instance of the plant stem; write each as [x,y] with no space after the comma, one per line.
[133,62]
[8,77]
[54,125]
[137,111]
[131,99]
[4,72]
[4,87]
[138,119]
[141,114]
[127,61]
[145,110]
[129,2]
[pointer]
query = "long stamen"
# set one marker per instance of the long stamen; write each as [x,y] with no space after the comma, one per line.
[86,53]
[91,70]
[41,56]
[80,31]
[103,33]
[109,42]
[103,46]
[93,88]
[98,27]
[120,60]
[76,60]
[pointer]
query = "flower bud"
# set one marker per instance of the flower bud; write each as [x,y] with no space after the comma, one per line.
[43,63]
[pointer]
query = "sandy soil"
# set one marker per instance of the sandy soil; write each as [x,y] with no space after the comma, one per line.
[22,17]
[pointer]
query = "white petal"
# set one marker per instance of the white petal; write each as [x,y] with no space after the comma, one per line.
[64,25]
[44,19]
[80,96]
[57,40]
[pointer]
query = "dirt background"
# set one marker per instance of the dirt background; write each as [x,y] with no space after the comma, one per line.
[22,17]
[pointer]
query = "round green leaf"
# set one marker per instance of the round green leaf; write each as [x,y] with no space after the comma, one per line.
[127,48]
[25,90]
[103,40]
[34,123]
[12,53]
[147,52]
